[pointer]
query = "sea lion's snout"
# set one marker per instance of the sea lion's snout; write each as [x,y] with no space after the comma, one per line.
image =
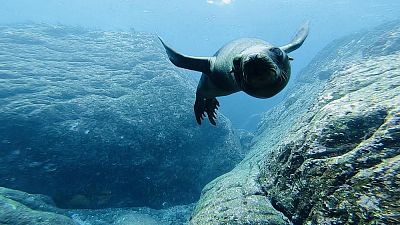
[259,70]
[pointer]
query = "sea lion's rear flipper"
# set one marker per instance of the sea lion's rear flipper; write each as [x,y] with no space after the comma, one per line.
[298,40]
[204,106]
[201,64]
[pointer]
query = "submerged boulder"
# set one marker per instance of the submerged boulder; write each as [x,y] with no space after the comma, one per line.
[330,152]
[100,119]
[20,208]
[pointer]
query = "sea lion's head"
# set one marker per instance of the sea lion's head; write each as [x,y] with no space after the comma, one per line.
[262,72]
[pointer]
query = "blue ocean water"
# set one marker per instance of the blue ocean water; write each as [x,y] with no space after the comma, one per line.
[84,117]
[201,27]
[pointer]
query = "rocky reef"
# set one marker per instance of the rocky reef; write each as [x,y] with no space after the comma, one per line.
[330,152]
[100,119]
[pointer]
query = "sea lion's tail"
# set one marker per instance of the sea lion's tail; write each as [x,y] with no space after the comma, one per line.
[201,64]
[298,40]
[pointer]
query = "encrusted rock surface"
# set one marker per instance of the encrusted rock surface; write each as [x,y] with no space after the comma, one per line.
[330,152]
[20,208]
[103,119]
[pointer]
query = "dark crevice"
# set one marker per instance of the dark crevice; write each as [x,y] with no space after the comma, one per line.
[280,208]
[305,213]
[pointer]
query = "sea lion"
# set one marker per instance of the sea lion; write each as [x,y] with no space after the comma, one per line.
[247,64]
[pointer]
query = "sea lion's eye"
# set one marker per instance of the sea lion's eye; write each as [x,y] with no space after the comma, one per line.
[277,51]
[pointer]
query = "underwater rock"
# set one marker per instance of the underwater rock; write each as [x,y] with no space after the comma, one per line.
[245,138]
[33,201]
[331,156]
[21,208]
[102,119]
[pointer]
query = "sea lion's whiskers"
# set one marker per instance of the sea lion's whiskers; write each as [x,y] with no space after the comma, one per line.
[284,76]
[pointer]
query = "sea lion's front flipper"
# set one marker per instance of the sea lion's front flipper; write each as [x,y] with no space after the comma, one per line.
[298,40]
[201,64]
[207,106]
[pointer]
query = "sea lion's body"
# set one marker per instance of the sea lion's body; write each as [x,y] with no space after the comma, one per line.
[247,64]
[221,81]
